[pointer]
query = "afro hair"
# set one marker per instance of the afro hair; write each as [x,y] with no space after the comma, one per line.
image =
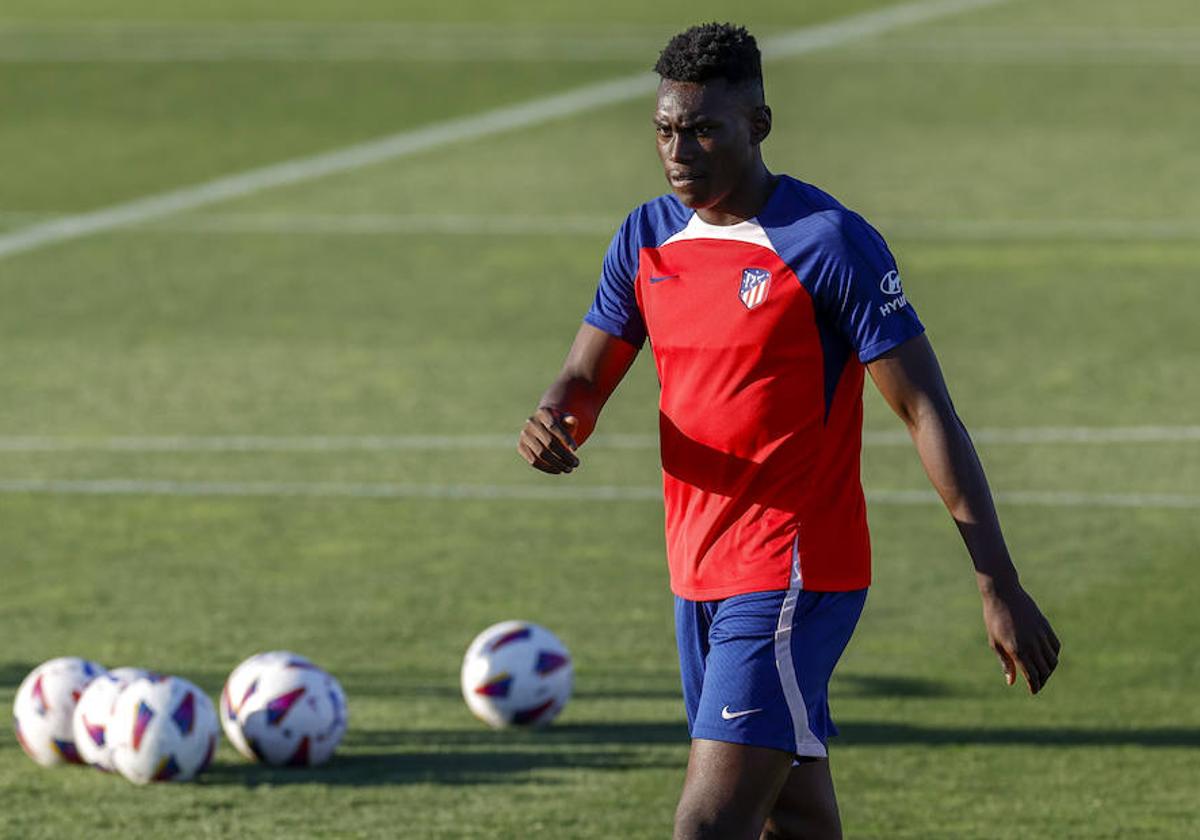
[711,51]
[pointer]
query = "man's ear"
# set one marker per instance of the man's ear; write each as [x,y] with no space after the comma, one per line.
[760,123]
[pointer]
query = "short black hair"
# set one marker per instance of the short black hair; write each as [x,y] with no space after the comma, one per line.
[710,51]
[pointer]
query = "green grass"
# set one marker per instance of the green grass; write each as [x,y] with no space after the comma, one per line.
[173,329]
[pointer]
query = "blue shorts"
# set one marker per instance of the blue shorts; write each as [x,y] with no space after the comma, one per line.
[756,667]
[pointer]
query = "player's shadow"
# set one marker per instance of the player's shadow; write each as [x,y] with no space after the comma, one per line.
[874,685]
[872,734]
[601,685]
[558,736]
[454,757]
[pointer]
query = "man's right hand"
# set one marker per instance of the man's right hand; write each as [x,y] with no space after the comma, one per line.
[547,441]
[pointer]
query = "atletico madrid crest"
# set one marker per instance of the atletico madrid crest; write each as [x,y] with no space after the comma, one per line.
[756,282]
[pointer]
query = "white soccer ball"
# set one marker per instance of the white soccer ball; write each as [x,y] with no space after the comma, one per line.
[162,729]
[281,709]
[44,706]
[516,674]
[241,685]
[93,711]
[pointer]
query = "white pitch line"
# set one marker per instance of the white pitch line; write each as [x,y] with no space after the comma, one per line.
[350,490]
[297,443]
[1034,435]
[462,129]
[559,491]
[393,224]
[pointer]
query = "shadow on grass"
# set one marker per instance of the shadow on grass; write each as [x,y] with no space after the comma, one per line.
[557,736]
[871,685]
[891,734]
[363,683]
[480,757]
[443,768]
[597,685]
[471,757]
[11,673]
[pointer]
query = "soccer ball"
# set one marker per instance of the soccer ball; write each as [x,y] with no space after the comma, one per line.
[162,729]
[93,711]
[241,685]
[44,705]
[281,709]
[516,674]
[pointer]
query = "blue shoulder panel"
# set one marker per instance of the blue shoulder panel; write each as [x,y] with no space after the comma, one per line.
[615,309]
[845,265]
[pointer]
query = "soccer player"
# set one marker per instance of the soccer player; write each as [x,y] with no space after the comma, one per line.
[764,301]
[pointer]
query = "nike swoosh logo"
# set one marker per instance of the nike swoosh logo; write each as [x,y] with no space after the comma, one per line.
[664,277]
[728,715]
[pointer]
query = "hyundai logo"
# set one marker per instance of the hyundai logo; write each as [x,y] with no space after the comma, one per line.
[890,284]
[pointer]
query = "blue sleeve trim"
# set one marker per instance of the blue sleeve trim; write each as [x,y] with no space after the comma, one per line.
[874,351]
[615,309]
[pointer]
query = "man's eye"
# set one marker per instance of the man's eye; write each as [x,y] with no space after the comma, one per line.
[663,130]
[703,131]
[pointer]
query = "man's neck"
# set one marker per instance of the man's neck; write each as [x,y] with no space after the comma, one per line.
[746,203]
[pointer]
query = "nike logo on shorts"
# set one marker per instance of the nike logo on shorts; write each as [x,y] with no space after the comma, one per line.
[728,715]
[664,277]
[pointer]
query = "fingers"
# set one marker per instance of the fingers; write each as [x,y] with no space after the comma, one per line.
[1035,667]
[545,452]
[1006,663]
[535,461]
[561,426]
[1055,644]
[1050,649]
[547,444]
[1036,661]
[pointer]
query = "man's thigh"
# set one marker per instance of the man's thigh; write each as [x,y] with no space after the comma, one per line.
[806,807]
[756,667]
[737,791]
[729,791]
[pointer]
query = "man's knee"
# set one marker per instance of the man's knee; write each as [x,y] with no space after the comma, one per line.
[706,818]
[812,824]
[806,808]
[729,791]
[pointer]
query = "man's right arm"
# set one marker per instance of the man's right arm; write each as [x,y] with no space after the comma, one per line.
[567,412]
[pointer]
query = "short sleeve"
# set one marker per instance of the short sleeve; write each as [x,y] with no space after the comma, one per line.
[857,286]
[615,309]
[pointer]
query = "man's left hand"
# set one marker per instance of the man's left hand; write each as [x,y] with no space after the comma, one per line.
[1021,636]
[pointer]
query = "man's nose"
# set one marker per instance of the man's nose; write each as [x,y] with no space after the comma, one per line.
[682,147]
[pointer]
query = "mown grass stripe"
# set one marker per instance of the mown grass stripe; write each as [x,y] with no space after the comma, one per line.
[560,490]
[1033,435]
[462,129]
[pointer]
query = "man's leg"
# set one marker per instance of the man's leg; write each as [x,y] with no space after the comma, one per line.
[807,806]
[755,675]
[729,790]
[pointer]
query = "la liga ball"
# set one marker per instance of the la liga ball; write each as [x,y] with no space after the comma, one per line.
[162,729]
[93,711]
[281,709]
[44,708]
[516,673]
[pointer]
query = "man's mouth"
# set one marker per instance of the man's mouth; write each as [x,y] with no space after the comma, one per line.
[683,178]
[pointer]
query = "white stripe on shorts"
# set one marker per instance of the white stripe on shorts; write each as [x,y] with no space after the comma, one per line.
[807,743]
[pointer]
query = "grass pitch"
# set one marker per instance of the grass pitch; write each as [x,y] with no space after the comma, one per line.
[1032,165]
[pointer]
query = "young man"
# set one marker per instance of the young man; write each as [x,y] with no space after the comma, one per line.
[764,300]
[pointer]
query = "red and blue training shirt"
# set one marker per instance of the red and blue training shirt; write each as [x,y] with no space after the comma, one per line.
[760,331]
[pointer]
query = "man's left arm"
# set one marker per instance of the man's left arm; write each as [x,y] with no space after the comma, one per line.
[910,379]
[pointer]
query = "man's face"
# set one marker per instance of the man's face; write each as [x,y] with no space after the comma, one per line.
[708,135]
